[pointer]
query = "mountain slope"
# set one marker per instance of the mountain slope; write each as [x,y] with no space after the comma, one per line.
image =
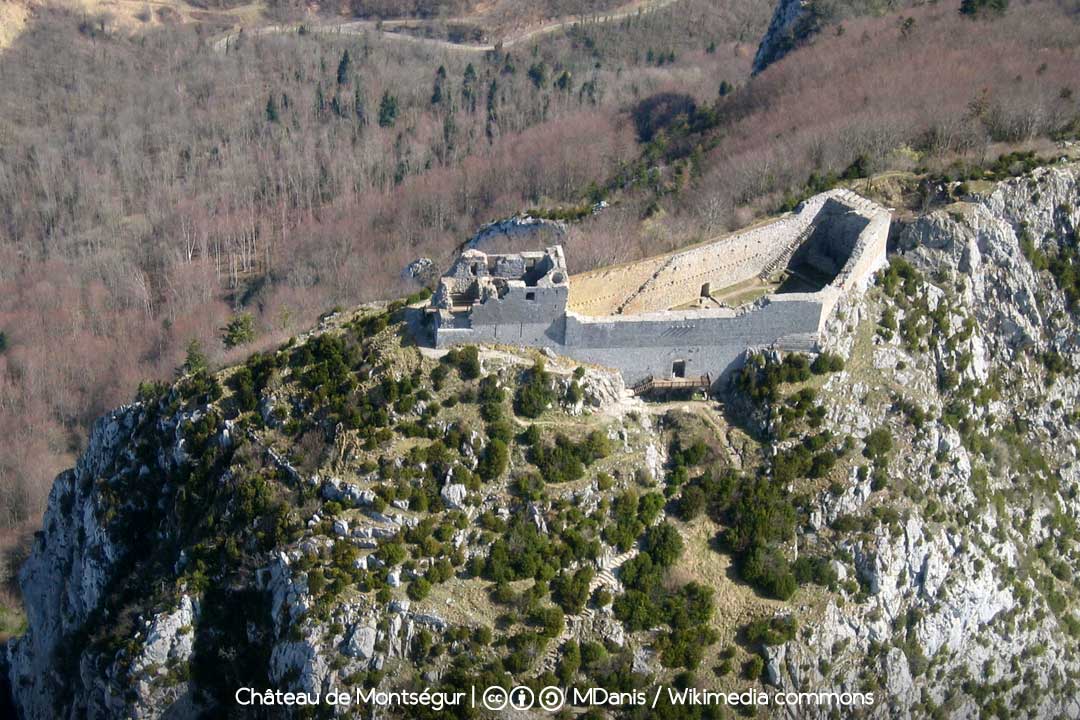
[896,518]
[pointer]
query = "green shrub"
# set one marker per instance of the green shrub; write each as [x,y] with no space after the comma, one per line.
[419,589]
[636,611]
[978,8]
[762,515]
[571,592]
[900,276]
[596,446]
[817,570]
[500,430]
[592,653]
[531,435]
[689,456]
[550,619]
[878,443]
[535,394]
[772,631]
[570,662]
[558,463]
[530,486]
[239,331]
[664,544]
[827,363]
[685,647]
[243,386]
[574,393]
[691,502]
[467,360]
[760,378]
[195,360]
[391,553]
[822,464]
[769,571]
[493,460]
[316,582]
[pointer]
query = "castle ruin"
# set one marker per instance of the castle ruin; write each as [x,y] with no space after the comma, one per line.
[687,314]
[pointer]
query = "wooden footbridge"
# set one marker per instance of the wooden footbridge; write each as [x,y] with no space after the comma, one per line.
[654,386]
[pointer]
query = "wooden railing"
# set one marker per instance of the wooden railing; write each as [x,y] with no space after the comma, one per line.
[653,385]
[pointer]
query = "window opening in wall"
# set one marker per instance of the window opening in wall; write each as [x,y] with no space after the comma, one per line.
[678,369]
[706,290]
[530,296]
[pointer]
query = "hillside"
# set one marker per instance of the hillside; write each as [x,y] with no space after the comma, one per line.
[896,517]
[188,188]
[504,19]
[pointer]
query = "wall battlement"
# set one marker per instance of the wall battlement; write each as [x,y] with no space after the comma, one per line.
[675,315]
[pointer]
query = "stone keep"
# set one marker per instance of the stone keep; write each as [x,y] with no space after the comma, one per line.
[657,318]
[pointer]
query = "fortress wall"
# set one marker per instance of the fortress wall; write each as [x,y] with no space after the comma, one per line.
[721,264]
[710,341]
[515,308]
[849,230]
[543,334]
[834,240]
[868,256]
[675,279]
[601,292]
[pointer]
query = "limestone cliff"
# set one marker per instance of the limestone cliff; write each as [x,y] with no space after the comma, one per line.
[792,22]
[795,22]
[352,511]
[961,601]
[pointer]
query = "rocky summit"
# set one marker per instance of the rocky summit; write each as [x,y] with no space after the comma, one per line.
[885,528]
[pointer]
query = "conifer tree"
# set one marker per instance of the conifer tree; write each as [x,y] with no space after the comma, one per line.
[343,68]
[437,93]
[468,88]
[271,109]
[388,110]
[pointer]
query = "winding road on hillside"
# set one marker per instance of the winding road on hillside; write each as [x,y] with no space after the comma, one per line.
[387,28]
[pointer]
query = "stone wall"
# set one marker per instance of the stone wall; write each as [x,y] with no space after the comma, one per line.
[603,291]
[675,279]
[837,233]
[521,304]
[720,264]
[707,341]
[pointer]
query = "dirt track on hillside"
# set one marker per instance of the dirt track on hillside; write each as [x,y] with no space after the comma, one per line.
[386,28]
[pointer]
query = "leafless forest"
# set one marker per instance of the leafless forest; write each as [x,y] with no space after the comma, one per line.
[152,188]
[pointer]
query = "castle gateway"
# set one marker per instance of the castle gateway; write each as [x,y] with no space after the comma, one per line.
[687,314]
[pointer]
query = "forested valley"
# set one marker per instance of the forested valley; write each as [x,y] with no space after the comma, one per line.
[157,191]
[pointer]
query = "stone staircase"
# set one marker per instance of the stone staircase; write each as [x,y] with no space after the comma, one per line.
[634,295]
[781,261]
[607,565]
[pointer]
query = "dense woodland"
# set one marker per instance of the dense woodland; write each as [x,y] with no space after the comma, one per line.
[154,191]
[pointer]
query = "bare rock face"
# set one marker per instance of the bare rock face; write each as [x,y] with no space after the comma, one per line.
[601,388]
[454,496]
[791,22]
[361,642]
[936,601]
[422,270]
[939,589]
[71,562]
[513,229]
